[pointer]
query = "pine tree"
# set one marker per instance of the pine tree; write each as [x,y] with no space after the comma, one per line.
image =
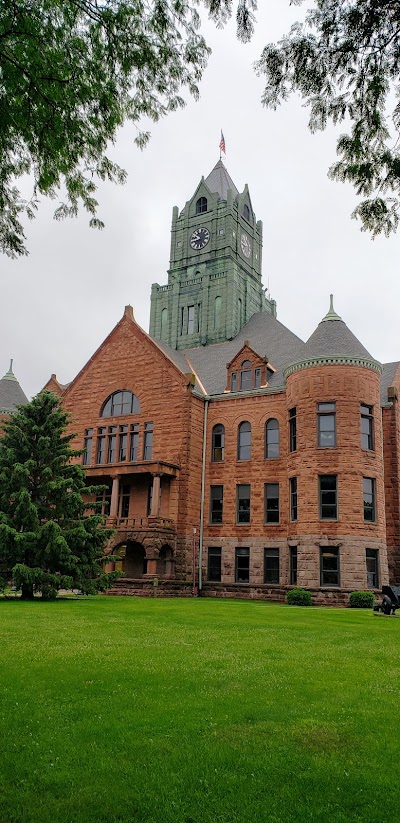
[48,540]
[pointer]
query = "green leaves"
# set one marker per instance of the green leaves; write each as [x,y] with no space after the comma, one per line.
[344,62]
[45,534]
[71,74]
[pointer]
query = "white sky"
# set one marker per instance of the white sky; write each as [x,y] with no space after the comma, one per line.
[58,304]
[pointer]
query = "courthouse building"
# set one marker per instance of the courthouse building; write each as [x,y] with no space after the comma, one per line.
[236,457]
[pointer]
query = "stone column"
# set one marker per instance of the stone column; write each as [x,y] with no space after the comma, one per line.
[114,498]
[155,500]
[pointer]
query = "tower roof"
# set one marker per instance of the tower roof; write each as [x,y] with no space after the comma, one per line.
[333,337]
[11,394]
[219,181]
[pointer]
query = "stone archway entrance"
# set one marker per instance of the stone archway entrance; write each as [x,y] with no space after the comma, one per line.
[134,564]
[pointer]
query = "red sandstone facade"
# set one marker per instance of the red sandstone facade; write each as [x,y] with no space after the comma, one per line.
[196,497]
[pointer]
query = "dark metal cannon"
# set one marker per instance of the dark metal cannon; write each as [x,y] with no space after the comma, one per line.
[390,601]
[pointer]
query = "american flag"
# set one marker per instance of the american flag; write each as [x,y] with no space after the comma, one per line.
[222,143]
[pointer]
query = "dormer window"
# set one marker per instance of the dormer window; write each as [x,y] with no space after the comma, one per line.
[246,380]
[246,212]
[201,205]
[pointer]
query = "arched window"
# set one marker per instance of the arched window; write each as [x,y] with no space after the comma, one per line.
[121,402]
[164,324]
[244,441]
[218,443]
[201,205]
[217,312]
[246,376]
[246,212]
[272,438]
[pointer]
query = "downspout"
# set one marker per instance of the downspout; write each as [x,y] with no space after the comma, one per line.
[203,472]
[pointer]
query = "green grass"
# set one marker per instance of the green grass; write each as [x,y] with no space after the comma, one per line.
[197,711]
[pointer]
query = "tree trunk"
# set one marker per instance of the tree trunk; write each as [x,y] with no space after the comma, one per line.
[27,591]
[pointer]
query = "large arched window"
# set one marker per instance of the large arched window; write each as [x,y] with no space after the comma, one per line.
[120,402]
[272,438]
[218,443]
[201,205]
[244,441]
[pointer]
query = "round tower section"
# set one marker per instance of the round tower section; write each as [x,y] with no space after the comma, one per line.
[335,464]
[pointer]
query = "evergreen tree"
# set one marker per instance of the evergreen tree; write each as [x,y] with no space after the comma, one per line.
[47,540]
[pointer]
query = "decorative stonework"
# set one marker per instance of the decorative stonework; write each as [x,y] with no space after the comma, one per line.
[333,360]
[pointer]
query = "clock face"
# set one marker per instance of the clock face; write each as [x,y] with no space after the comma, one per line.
[199,239]
[245,245]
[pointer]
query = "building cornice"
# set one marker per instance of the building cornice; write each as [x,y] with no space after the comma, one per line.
[333,360]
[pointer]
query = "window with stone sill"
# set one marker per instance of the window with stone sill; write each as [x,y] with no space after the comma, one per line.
[326,416]
[243,503]
[271,439]
[216,504]
[116,444]
[87,447]
[218,443]
[369,499]
[293,565]
[242,565]
[271,566]
[247,378]
[330,566]
[201,205]
[372,562]
[367,427]
[244,441]
[214,564]
[328,497]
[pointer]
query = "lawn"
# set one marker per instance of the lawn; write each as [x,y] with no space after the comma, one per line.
[197,711]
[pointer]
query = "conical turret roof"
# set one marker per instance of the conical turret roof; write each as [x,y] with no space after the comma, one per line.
[11,394]
[220,182]
[333,337]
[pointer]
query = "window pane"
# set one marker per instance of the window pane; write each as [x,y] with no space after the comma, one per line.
[271,566]
[330,567]
[233,381]
[292,430]
[369,498]
[245,380]
[214,564]
[244,441]
[372,568]
[218,443]
[293,497]
[190,326]
[293,565]
[242,565]
[243,503]
[216,503]
[272,502]
[272,438]
[148,441]
[328,496]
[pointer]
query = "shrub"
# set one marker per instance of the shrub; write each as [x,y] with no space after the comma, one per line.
[362,600]
[49,593]
[299,597]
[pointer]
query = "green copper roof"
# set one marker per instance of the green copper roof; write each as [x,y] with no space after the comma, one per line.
[331,315]
[10,375]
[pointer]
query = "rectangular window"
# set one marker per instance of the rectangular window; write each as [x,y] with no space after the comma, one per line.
[242,565]
[242,503]
[330,571]
[148,441]
[367,427]
[182,324]
[371,557]
[271,500]
[257,378]
[369,499]
[87,447]
[214,564]
[123,443]
[293,497]
[216,503]
[233,381]
[292,430]
[124,498]
[101,445]
[271,565]
[198,318]
[134,447]
[245,380]
[326,425]
[190,325]
[112,444]
[328,496]
[293,565]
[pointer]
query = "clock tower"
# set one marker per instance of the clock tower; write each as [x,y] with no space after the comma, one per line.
[214,279]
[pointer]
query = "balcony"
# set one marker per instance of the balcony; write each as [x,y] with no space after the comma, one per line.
[140,523]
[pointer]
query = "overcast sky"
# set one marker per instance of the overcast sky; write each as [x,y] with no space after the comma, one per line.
[58,304]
